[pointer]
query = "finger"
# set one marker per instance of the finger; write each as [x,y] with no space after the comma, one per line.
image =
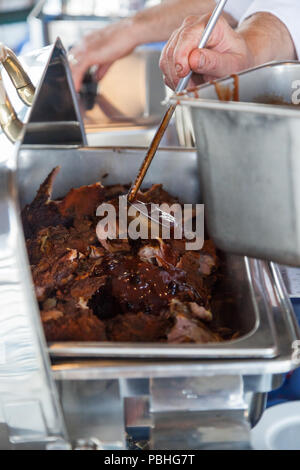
[166,59]
[169,83]
[188,39]
[81,60]
[173,71]
[78,74]
[213,63]
[101,71]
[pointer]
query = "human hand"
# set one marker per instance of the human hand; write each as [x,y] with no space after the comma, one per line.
[227,51]
[102,48]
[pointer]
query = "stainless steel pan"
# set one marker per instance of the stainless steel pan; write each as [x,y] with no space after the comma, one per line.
[248,300]
[249,162]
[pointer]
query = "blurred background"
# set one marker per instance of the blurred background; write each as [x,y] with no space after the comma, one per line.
[132,104]
[13,28]
[30,24]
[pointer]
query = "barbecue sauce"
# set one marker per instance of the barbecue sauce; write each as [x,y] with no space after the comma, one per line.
[225,93]
[136,286]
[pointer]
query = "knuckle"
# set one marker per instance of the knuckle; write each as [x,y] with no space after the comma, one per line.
[162,63]
[192,32]
[190,20]
[212,63]
[180,58]
[169,53]
[222,20]
[163,56]
[186,34]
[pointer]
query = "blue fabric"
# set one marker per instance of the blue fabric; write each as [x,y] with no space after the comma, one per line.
[296,305]
[19,47]
[290,390]
[155,45]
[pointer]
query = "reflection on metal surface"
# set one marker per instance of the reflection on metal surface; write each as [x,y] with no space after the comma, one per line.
[94,410]
[219,417]
[126,112]
[28,399]
[137,413]
[219,393]
[257,404]
[54,117]
[196,430]
[10,124]
[27,394]
[17,74]
[195,413]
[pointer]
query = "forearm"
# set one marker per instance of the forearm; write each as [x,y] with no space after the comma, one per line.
[159,22]
[268,39]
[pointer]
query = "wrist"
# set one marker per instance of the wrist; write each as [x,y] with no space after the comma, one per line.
[141,31]
[253,56]
[267,38]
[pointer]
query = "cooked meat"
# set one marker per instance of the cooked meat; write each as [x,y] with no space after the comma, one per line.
[160,253]
[115,246]
[91,288]
[82,326]
[42,212]
[83,290]
[78,203]
[54,271]
[187,328]
[82,202]
[156,195]
[138,327]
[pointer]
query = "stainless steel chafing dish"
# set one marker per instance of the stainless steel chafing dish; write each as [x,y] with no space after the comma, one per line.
[247,281]
[143,377]
[89,394]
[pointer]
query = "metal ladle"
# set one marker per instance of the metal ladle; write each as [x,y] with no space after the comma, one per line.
[169,113]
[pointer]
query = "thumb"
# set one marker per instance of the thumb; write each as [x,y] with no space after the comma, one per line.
[212,63]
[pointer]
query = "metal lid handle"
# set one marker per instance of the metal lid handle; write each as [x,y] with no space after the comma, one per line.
[17,74]
[11,125]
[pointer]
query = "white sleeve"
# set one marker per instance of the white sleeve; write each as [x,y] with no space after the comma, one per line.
[288,11]
[237,8]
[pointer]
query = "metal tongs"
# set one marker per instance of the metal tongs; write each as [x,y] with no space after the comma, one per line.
[169,113]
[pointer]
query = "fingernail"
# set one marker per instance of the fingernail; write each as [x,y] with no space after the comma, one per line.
[201,62]
[178,68]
